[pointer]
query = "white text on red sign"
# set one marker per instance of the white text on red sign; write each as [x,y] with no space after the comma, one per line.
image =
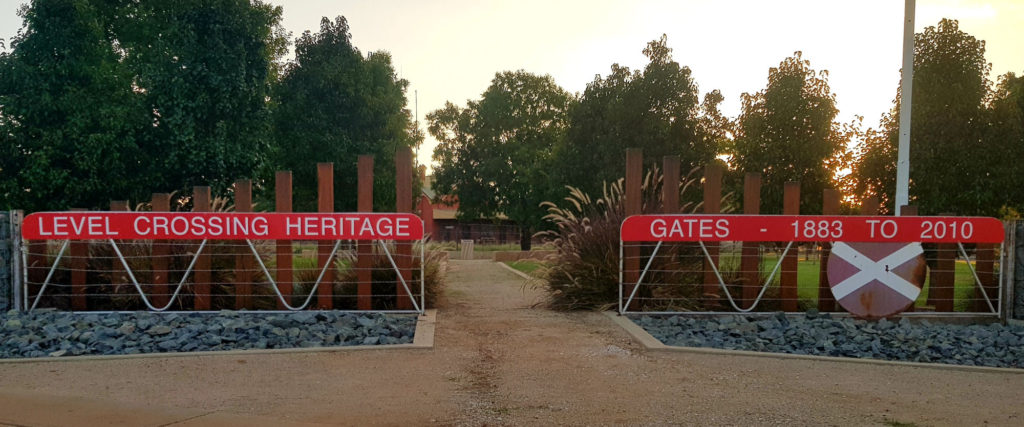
[811,228]
[228,226]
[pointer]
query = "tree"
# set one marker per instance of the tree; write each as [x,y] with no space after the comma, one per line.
[69,119]
[334,105]
[950,87]
[111,100]
[873,169]
[1005,140]
[787,132]
[948,130]
[495,154]
[206,70]
[655,109]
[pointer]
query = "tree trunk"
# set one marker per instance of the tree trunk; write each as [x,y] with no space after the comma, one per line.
[525,238]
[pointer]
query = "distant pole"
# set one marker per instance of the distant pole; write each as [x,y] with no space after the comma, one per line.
[416,95]
[906,90]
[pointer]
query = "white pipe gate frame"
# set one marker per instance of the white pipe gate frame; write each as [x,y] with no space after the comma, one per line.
[205,226]
[799,228]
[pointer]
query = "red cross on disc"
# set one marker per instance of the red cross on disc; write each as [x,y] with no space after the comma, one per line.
[876,280]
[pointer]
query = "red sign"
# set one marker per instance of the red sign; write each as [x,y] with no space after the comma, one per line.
[221,226]
[810,228]
[876,279]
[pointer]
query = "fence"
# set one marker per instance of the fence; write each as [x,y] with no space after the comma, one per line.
[484,233]
[215,260]
[1015,269]
[7,256]
[712,273]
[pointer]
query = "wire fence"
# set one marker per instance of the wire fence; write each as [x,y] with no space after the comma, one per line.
[128,275]
[7,255]
[771,276]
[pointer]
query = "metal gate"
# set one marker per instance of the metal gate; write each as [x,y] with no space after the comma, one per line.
[131,256]
[744,263]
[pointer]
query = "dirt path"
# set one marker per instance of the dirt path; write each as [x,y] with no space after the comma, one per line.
[498,360]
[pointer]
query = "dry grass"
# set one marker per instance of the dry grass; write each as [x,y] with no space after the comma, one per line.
[584,272]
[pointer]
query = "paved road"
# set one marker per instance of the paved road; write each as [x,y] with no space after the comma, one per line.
[500,360]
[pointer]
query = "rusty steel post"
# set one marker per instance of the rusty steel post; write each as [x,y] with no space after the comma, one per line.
[160,202]
[325,204]
[712,205]
[118,275]
[830,206]
[403,204]
[243,259]
[201,275]
[364,250]
[984,265]
[750,265]
[788,279]
[634,176]
[943,277]
[908,210]
[283,203]
[79,252]
[869,206]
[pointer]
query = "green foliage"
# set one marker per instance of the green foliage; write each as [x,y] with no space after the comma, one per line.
[106,101]
[788,133]
[205,70]
[655,109]
[1005,136]
[958,125]
[69,119]
[950,87]
[333,105]
[496,154]
[874,164]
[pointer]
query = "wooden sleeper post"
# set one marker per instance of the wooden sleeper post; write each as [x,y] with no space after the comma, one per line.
[364,249]
[161,202]
[403,204]
[283,204]
[750,268]
[201,274]
[631,263]
[830,206]
[788,279]
[712,205]
[325,204]
[79,253]
[243,257]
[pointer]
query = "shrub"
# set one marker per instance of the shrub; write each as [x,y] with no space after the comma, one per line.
[385,281]
[584,271]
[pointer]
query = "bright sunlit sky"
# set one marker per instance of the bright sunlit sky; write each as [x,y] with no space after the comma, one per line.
[449,50]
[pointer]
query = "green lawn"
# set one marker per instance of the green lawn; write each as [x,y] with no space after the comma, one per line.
[807,277]
[508,247]
[527,266]
[808,271]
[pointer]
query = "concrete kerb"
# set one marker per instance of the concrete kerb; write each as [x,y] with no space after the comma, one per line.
[423,339]
[517,272]
[650,343]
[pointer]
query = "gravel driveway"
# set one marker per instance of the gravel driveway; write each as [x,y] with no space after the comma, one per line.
[499,360]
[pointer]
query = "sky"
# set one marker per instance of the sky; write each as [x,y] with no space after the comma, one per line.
[449,50]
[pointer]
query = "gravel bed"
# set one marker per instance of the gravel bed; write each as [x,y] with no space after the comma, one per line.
[820,334]
[49,333]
